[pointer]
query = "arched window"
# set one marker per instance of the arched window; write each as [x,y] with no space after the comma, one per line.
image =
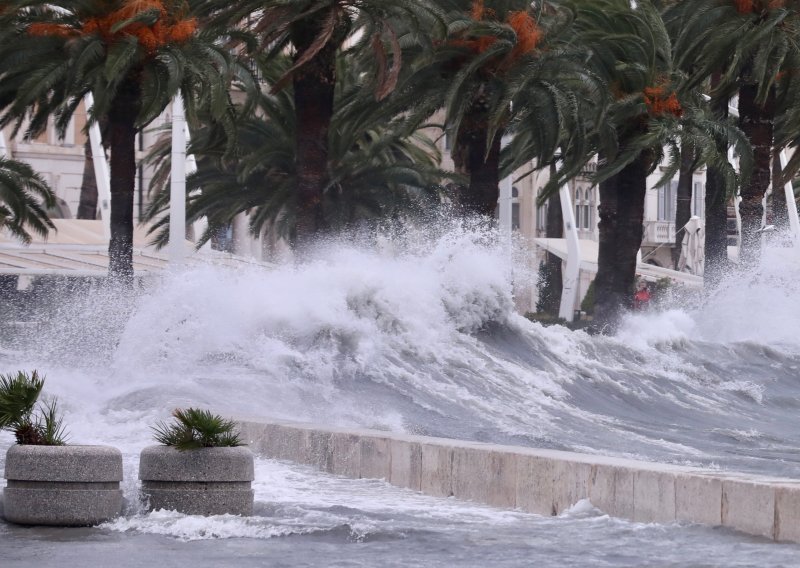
[584,208]
[587,209]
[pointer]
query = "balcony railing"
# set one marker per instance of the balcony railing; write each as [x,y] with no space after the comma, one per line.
[659,232]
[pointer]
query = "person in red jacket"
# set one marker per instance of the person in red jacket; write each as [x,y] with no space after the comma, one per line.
[641,299]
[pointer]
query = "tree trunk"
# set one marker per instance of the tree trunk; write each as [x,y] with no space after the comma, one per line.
[480,196]
[621,216]
[87,206]
[470,156]
[780,211]
[716,211]
[122,136]
[683,211]
[551,278]
[314,85]
[757,124]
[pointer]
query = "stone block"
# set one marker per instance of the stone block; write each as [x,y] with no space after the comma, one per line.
[534,493]
[345,454]
[375,458]
[204,481]
[570,484]
[749,507]
[436,470]
[787,512]
[653,497]
[698,499]
[611,489]
[275,441]
[484,476]
[406,464]
[314,449]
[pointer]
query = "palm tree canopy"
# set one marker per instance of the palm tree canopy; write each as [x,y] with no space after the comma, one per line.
[53,53]
[24,198]
[745,42]
[376,168]
[652,106]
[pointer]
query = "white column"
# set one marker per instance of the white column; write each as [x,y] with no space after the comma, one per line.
[101,174]
[791,204]
[4,153]
[570,278]
[177,186]
[504,197]
[504,205]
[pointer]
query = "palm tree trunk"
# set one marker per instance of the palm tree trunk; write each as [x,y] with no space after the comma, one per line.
[780,212]
[470,157]
[87,206]
[756,122]
[314,87]
[716,211]
[683,211]
[122,135]
[621,216]
[484,175]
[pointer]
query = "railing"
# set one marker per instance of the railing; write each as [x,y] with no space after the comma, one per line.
[659,232]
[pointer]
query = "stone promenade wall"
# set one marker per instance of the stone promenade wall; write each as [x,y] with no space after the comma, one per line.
[539,481]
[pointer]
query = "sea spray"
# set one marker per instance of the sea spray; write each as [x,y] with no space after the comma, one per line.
[422,335]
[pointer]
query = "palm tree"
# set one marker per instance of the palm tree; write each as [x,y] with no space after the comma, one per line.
[375,170]
[501,72]
[134,56]
[315,32]
[650,112]
[753,46]
[24,198]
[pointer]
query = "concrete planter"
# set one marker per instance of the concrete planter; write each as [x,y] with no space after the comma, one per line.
[205,481]
[62,485]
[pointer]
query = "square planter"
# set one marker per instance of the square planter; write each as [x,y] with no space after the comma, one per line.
[203,481]
[62,485]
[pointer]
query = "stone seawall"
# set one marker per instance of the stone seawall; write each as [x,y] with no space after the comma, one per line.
[539,481]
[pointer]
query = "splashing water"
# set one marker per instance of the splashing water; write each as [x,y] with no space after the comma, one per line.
[422,336]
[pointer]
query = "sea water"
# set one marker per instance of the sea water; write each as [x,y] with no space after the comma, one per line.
[419,335]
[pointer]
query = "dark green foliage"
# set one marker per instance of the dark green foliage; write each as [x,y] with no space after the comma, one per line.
[18,413]
[194,428]
[377,168]
[24,196]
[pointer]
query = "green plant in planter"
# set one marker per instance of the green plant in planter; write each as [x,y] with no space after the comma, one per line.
[194,428]
[42,425]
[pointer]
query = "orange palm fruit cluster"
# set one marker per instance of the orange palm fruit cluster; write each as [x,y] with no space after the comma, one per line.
[750,6]
[528,33]
[659,103]
[150,36]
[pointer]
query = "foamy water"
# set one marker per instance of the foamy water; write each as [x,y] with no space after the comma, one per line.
[421,337]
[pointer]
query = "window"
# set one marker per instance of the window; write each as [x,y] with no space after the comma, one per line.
[514,208]
[698,199]
[541,219]
[667,201]
[584,208]
[587,209]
